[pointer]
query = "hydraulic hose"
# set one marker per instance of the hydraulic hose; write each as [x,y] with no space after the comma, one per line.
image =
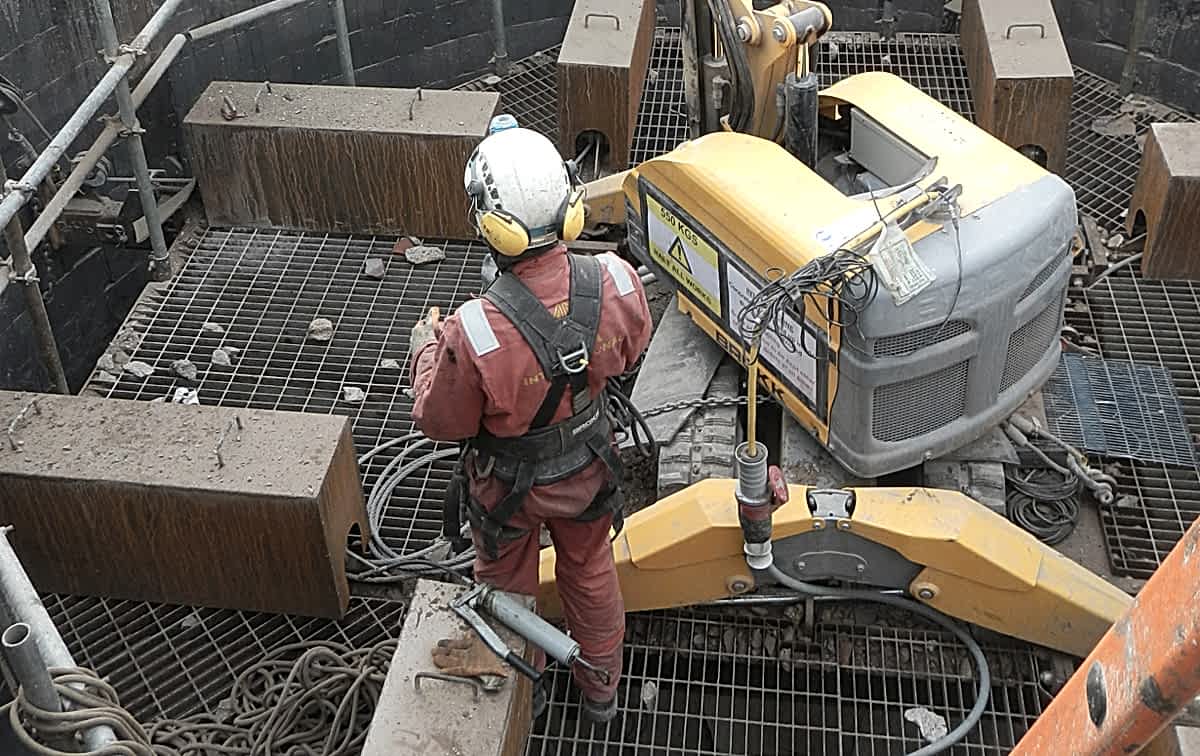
[985,676]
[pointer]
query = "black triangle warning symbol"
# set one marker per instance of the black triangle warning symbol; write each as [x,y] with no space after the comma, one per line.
[679,254]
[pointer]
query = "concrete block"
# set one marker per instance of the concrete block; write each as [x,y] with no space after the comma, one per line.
[1166,198]
[144,509]
[338,158]
[1021,76]
[440,716]
[601,71]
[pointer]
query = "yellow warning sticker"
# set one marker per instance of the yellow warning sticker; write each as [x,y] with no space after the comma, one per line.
[680,251]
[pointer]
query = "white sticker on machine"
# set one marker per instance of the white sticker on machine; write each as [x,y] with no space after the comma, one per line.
[900,269]
[799,367]
[681,251]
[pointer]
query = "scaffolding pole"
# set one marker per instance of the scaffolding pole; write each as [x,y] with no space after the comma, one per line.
[160,261]
[24,605]
[345,56]
[25,273]
[1140,675]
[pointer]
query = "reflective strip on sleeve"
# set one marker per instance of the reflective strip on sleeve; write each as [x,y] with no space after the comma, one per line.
[618,271]
[479,331]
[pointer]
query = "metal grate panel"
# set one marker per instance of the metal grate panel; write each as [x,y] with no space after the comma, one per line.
[714,684]
[931,62]
[662,116]
[1118,409]
[529,92]
[171,661]
[263,288]
[906,343]
[907,409]
[1103,168]
[1029,343]
[1153,323]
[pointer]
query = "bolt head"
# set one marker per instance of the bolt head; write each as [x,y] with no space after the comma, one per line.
[743,31]
[860,568]
[925,593]
[843,525]
[739,586]
[818,524]
[779,33]
[800,565]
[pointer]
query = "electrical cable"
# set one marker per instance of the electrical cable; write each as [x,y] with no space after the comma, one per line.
[983,683]
[1043,502]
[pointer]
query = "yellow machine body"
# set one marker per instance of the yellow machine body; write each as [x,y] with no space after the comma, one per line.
[970,562]
[723,214]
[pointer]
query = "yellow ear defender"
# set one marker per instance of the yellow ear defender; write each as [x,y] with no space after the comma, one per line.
[503,232]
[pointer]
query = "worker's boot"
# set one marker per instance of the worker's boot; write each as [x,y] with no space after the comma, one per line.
[600,712]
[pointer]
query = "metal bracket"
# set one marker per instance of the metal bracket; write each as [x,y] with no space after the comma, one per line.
[476,686]
[831,504]
[28,277]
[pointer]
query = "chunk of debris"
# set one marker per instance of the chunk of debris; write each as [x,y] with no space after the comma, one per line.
[374,268]
[353,394]
[128,340]
[186,396]
[221,357]
[190,621]
[212,328]
[649,694]
[106,363]
[321,329]
[932,726]
[405,243]
[120,357]
[139,369]
[1127,501]
[1115,241]
[185,369]
[105,376]
[1118,125]
[424,254]
[388,363]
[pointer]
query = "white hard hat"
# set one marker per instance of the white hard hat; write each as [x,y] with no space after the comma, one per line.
[522,191]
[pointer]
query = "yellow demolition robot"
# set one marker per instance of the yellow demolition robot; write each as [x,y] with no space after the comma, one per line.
[970,246]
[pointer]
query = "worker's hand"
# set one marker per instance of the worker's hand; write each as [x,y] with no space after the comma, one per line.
[467,657]
[427,330]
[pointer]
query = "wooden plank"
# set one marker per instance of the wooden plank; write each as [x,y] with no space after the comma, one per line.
[1020,73]
[130,500]
[1166,199]
[601,72]
[318,158]
[445,717]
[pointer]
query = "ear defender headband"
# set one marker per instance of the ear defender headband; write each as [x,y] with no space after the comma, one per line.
[508,235]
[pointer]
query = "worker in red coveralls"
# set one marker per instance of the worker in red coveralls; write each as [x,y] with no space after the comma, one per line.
[519,376]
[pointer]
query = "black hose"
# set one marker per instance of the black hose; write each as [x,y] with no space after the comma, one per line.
[741,80]
[1043,502]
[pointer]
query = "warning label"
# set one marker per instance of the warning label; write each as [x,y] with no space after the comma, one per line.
[680,251]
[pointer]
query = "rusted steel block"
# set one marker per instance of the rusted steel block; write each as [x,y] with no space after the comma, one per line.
[318,158]
[1166,199]
[1021,75]
[207,506]
[601,71]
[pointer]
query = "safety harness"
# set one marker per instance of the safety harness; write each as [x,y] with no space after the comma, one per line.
[547,453]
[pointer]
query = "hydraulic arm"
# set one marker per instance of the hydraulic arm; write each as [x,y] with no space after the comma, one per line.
[943,548]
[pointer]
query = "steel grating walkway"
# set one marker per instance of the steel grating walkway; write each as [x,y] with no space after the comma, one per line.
[171,661]
[715,684]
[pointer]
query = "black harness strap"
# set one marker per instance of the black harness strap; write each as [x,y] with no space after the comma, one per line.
[563,349]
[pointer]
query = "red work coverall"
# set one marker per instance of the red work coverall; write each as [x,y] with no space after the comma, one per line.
[481,374]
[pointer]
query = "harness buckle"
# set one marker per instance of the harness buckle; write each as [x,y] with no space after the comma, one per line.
[574,362]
